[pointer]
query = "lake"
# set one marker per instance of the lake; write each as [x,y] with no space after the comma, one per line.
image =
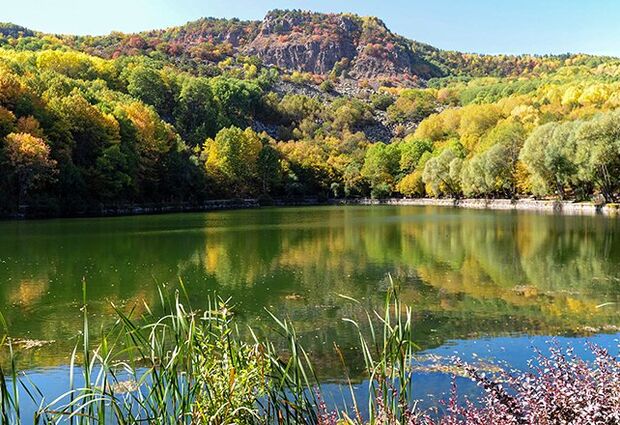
[491,284]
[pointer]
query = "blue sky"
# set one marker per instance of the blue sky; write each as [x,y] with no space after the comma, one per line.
[485,26]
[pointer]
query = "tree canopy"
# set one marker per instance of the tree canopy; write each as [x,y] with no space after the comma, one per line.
[80,128]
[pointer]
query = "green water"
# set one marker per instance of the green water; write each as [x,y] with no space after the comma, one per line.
[467,274]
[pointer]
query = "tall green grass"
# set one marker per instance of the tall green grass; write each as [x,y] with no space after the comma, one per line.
[189,366]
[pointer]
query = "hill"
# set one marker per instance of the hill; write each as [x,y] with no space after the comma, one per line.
[298,104]
[361,48]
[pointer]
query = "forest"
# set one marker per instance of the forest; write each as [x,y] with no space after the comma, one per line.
[81,126]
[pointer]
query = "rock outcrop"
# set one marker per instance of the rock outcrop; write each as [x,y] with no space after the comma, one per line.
[363,48]
[296,41]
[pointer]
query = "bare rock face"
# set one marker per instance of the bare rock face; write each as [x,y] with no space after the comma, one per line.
[317,43]
[381,53]
[311,56]
[303,41]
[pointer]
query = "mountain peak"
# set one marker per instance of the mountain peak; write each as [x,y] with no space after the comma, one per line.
[319,43]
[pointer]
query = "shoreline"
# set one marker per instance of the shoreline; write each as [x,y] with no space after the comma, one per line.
[533,205]
[126,210]
[549,206]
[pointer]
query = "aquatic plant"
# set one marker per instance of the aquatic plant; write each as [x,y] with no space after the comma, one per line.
[187,366]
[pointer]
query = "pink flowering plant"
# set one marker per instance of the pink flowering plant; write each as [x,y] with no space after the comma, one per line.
[559,388]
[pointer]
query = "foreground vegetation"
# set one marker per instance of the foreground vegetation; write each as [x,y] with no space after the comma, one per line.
[196,367]
[145,118]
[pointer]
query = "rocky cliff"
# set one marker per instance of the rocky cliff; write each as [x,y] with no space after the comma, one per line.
[363,48]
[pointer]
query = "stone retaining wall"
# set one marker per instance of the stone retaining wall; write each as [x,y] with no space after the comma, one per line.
[26,212]
[564,207]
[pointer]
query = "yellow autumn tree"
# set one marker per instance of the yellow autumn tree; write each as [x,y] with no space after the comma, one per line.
[231,159]
[28,160]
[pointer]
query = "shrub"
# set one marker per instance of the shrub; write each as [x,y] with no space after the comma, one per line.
[381,191]
[381,100]
[327,86]
[559,389]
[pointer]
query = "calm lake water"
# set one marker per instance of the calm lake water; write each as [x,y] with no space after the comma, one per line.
[483,282]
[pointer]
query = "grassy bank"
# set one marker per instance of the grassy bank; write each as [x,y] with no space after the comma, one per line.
[197,367]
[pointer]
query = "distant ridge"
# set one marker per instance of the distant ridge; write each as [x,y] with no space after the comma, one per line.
[360,48]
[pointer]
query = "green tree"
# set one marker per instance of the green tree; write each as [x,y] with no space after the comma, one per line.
[381,166]
[236,100]
[347,114]
[354,183]
[146,84]
[112,181]
[412,150]
[269,168]
[549,155]
[442,174]
[196,114]
[598,153]
[381,101]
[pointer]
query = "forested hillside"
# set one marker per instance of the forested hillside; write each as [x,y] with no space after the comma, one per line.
[300,104]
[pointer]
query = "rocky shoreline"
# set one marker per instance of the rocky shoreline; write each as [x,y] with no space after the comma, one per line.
[552,206]
[548,206]
[27,212]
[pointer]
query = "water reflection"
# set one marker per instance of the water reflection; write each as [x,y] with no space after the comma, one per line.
[466,273]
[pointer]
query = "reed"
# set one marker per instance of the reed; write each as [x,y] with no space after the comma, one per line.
[188,366]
